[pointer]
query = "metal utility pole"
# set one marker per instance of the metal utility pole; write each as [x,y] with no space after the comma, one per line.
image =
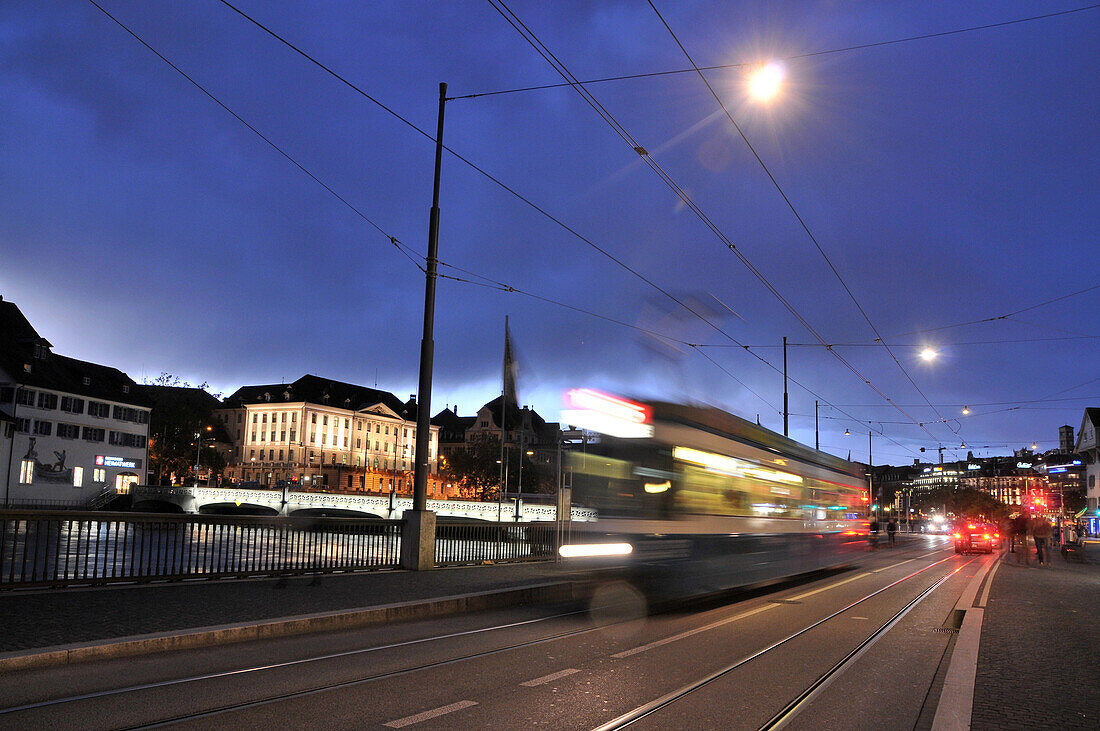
[418,533]
[427,344]
[786,413]
[817,432]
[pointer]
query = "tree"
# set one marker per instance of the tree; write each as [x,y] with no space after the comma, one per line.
[180,411]
[475,469]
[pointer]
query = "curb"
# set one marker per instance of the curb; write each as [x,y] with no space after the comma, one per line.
[286,626]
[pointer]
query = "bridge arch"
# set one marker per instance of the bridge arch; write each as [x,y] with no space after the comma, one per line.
[236,509]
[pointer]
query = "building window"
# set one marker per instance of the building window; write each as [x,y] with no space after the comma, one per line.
[86,381]
[290,455]
[358,443]
[377,428]
[91,434]
[280,455]
[293,434]
[78,476]
[68,431]
[294,418]
[72,405]
[324,420]
[126,388]
[99,475]
[313,418]
[25,397]
[264,419]
[255,418]
[96,408]
[252,454]
[345,442]
[115,438]
[324,439]
[282,436]
[22,425]
[26,472]
[253,436]
[43,428]
[239,416]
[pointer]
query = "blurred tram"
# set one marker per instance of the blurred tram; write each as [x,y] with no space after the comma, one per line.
[693,500]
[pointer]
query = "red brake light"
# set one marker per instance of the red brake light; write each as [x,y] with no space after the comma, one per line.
[971,525]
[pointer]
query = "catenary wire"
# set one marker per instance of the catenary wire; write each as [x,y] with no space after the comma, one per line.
[396,242]
[797,215]
[403,248]
[512,19]
[745,64]
[504,186]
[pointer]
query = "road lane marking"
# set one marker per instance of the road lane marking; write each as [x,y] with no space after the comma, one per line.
[691,632]
[549,678]
[802,596]
[892,566]
[434,713]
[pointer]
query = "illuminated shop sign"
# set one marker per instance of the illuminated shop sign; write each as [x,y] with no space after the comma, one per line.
[103,460]
[1024,465]
[973,467]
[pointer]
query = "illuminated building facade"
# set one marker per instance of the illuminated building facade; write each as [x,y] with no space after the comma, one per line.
[317,433]
[73,428]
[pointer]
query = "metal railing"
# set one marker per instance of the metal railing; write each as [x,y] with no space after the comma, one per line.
[468,543]
[40,548]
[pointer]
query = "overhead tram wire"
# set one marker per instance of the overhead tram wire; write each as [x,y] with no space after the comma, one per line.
[875,344]
[797,215]
[999,317]
[403,248]
[348,204]
[512,19]
[507,188]
[795,57]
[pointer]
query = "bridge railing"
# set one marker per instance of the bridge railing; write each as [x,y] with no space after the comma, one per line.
[40,548]
[470,543]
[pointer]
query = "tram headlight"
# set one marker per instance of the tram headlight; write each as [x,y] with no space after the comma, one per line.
[585,550]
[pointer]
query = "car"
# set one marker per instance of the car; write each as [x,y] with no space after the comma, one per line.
[974,536]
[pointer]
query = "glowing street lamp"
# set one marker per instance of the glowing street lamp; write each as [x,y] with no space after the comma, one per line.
[966,411]
[765,82]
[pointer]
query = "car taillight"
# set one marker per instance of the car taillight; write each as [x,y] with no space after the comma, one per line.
[958,535]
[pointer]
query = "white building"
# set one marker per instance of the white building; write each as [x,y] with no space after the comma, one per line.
[79,427]
[1088,446]
[318,433]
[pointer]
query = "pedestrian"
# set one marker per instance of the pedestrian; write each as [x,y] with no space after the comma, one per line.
[1040,532]
[872,536]
[891,530]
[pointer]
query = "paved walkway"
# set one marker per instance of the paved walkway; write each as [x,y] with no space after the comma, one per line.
[1039,658]
[62,617]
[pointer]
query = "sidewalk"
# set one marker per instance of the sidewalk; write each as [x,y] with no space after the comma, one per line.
[62,617]
[1040,646]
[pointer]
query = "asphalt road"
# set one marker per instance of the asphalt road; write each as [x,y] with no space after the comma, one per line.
[556,667]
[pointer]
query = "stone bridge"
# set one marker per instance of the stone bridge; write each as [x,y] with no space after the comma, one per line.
[288,502]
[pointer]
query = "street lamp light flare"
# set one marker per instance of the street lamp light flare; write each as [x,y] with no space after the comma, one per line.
[966,411]
[928,354]
[765,81]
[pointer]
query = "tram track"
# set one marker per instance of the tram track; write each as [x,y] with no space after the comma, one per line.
[319,688]
[802,699]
